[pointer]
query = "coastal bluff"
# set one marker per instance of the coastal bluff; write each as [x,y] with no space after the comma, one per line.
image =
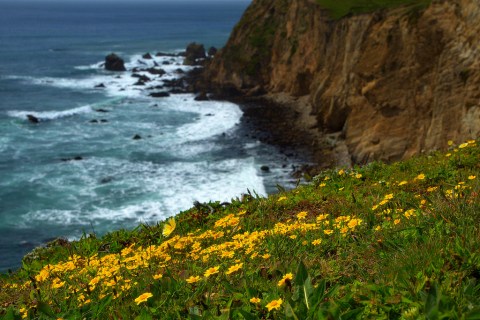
[383,85]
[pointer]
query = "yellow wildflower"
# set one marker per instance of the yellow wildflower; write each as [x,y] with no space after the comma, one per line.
[448,155]
[288,277]
[402,183]
[396,221]
[316,242]
[266,256]
[328,231]
[234,268]
[193,279]
[282,198]
[354,223]
[275,304]
[472,177]
[358,176]
[420,177]
[169,227]
[322,185]
[463,145]
[293,236]
[378,228]
[158,276]
[143,297]
[302,215]
[322,217]
[255,300]
[341,172]
[211,271]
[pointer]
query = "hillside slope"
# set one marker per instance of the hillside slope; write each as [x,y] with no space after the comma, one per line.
[390,83]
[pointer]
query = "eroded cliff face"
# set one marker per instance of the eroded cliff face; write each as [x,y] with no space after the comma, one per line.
[392,83]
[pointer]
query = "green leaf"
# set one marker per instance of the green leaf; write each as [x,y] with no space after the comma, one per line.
[352,314]
[247,315]
[289,312]
[10,315]
[432,301]
[45,309]
[473,314]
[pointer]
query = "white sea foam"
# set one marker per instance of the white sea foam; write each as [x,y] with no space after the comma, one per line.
[50,115]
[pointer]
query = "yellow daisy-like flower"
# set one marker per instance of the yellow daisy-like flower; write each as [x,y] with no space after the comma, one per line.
[193,279]
[287,277]
[169,227]
[302,215]
[472,177]
[396,221]
[266,256]
[463,145]
[234,268]
[158,276]
[450,142]
[322,217]
[283,198]
[317,242]
[328,231]
[255,300]
[143,297]
[402,183]
[274,304]
[341,172]
[358,176]
[211,271]
[420,177]
[293,236]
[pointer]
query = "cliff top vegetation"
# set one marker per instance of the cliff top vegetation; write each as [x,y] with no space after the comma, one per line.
[398,241]
[339,9]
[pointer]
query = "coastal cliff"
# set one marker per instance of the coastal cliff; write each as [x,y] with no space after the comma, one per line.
[374,86]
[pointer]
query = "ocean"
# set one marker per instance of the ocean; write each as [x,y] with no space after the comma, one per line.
[79,170]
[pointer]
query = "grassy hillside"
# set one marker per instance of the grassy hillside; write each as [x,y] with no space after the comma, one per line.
[342,8]
[397,241]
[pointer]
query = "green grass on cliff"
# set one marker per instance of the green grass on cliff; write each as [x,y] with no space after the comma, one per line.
[341,8]
[398,241]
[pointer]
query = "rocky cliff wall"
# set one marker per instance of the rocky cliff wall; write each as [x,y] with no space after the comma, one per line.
[390,83]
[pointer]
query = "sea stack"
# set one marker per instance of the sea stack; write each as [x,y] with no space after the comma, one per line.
[114,63]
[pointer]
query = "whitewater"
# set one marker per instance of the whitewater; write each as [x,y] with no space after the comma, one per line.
[106,155]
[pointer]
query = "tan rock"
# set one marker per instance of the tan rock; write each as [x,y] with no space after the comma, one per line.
[393,83]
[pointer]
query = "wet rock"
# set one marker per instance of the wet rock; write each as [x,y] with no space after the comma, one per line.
[101,85]
[212,51]
[76,158]
[159,72]
[94,121]
[194,53]
[137,137]
[102,110]
[114,63]
[159,94]
[32,118]
[265,168]
[104,120]
[141,77]
[147,56]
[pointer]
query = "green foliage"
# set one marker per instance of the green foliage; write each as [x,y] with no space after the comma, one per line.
[398,241]
[339,9]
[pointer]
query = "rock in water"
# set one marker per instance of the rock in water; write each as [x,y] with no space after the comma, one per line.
[195,51]
[32,118]
[114,63]
[137,137]
[212,51]
[147,56]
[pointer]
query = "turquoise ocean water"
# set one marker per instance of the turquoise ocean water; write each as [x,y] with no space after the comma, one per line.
[50,63]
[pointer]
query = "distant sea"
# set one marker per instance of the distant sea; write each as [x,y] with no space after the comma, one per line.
[51,56]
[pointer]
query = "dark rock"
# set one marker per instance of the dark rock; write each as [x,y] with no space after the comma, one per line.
[101,110]
[139,83]
[154,71]
[179,71]
[202,96]
[212,51]
[32,118]
[76,158]
[94,121]
[104,121]
[147,56]
[209,115]
[155,64]
[106,180]
[114,63]
[165,63]
[195,51]
[159,94]
[265,168]
[141,77]
[101,85]
[137,137]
